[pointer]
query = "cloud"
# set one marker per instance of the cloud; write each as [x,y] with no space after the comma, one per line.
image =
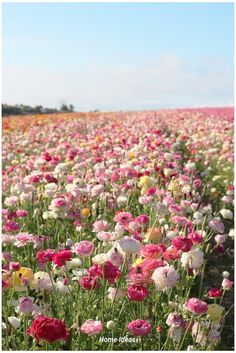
[162,82]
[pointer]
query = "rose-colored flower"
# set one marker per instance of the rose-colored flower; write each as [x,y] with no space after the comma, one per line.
[139,327]
[181,243]
[110,272]
[100,226]
[227,284]
[137,293]
[196,306]
[14,266]
[44,256]
[62,257]
[152,251]
[214,293]
[49,329]
[84,248]
[89,282]
[91,327]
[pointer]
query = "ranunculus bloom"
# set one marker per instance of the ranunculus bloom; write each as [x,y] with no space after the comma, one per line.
[129,245]
[152,250]
[137,293]
[196,306]
[20,277]
[100,226]
[26,305]
[89,282]
[217,226]
[139,327]
[192,259]
[174,320]
[44,256]
[151,264]
[165,277]
[62,257]
[84,248]
[214,293]
[91,327]
[49,329]
[227,284]
[110,272]
[181,243]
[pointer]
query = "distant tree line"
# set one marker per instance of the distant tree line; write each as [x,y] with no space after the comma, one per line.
[21,109]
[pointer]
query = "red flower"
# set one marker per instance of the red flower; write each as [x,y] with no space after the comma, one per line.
[44,256]
[96,271]
[214,293]
[110,272]
[182,243]
[137,293]
[61,257]
[88,282]
[49,329]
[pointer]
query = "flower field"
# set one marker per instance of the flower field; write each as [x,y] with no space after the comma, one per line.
[118,231]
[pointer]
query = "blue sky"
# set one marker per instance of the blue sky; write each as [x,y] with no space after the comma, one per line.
[118,56]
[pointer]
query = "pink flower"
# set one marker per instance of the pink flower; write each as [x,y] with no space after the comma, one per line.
[227,284]
[139,327]
[100,226]
[217,226]
[174,320]
[91,327]
[11,226]
[26,305]
[151,264]
[89,282]
[196,238]
[151,251]
[84,248]
[137,293]
[124,218]
[196,306]
[142,219]
[21,213]
[14,266]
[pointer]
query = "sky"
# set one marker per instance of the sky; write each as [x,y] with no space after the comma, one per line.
[118,56]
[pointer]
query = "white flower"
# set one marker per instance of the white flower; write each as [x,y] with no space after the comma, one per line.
[50,189]
[14,321]
[231,233]
[171,235]
[41,281]
[61,287]
[73,264]
[193,259]
[119,229]
[161,208]
[100,259]
[111,325]
[226,214]
[122,200]
[129,245]
[165,277]
[225,274]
